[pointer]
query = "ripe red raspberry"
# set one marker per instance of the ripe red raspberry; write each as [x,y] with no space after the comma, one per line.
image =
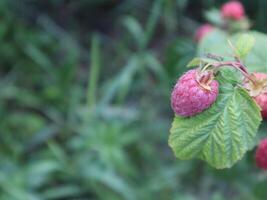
[259,91]
[202,31]
[233,10]
[193,93]
[261,154]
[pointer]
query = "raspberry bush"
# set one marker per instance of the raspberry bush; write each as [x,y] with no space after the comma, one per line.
[221,129]
[230,18]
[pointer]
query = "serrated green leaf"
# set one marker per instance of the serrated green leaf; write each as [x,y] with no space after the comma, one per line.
[220,135]
[244,44]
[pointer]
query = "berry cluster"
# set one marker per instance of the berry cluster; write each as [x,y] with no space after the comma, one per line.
[231,12]
[198,89]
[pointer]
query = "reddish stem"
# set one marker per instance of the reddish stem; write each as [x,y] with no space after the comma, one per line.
[237,65]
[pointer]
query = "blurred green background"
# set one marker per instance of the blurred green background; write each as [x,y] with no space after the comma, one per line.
[84,102]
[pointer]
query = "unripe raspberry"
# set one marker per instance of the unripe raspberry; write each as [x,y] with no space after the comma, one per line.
[261,154]
[193,93]
[233,10]
[259,91]
[202,31]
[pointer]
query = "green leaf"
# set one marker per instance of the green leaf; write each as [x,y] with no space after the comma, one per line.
[220,135]
[216,43]
[231,75]
[256,61]
[194,62]
[94,71]
[243,45]
[198,61]
[135,28]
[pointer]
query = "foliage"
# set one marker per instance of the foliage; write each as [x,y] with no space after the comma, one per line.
[217,42]
[84,103]
[222,134]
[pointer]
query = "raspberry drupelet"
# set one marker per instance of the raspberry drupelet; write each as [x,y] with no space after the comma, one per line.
[233,10]
[193,93]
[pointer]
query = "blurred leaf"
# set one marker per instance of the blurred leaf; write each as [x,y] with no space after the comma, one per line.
[260,189]
[214,17]
[177,56]
[58,152]
[120,84]
[216,43]
[42,172]
[39,57]
[154,64]
[243,45]
[256,61]
[194,62]
[94,71]
[111,180]
[63,191]
[42,136]
[152,21]
[135,28]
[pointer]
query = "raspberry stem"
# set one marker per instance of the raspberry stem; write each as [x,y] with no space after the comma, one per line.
[237,65]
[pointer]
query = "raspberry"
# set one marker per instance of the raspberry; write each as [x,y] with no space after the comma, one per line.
[259,92]
[193,93]
[202,31]
[233,10]
[261,154]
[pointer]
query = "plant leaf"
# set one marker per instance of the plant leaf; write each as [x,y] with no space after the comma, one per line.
[197,61]
[214,17]
[256,61]
[216,42]
[244,44]
[194,62]
[220,135]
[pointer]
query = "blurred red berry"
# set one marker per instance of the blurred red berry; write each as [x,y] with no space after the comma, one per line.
[202,31]
[191,95]
[261,154]
[261,99]
[233,10]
